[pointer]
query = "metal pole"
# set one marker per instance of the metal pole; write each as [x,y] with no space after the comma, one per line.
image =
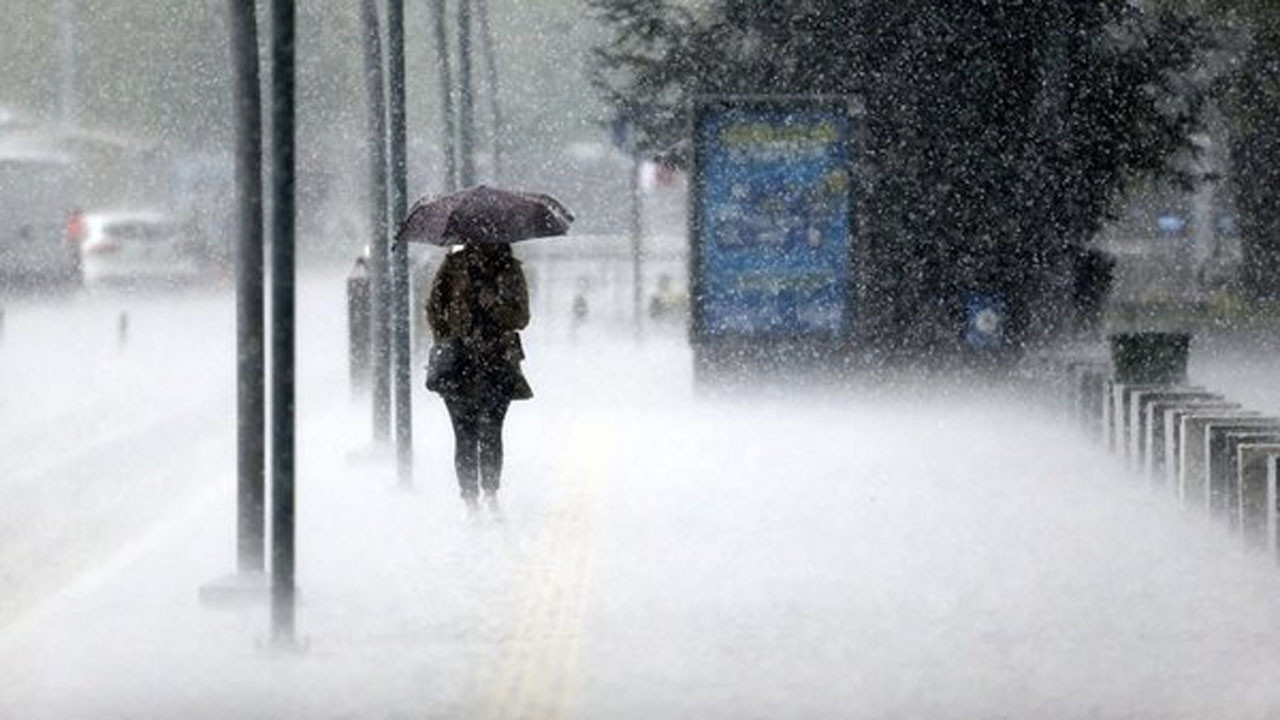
[283,593]
[250,356]
[488,47]
[400,251]
[70,65]
[637,228]
[403,374]
[446,96]
[378,275]
[466,99]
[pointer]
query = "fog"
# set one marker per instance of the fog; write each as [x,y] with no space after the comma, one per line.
[877,550]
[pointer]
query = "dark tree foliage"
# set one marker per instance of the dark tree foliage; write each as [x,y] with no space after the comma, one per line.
[999,133]
[1251,103]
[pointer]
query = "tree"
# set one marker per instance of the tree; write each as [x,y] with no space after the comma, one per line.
[999,135]
[1250,101]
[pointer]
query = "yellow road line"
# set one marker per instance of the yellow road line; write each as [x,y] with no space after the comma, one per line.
[538,678]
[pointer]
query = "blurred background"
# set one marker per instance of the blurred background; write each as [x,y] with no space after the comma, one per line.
[135,101]
[140,97]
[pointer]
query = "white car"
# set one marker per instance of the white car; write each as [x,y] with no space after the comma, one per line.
[137,248]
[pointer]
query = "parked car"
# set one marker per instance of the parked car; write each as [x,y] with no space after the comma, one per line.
[37,198]
[137,248]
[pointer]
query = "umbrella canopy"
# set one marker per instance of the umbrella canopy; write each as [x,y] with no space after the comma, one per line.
[482,214]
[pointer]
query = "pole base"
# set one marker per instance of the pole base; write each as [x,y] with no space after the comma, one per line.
[375,453]
[284,646]
[236,590]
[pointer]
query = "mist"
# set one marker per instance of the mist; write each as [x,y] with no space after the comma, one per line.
[806,437]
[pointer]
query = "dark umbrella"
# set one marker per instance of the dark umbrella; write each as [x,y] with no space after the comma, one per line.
[482,214]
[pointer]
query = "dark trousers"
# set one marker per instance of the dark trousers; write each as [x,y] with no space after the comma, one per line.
[477,438]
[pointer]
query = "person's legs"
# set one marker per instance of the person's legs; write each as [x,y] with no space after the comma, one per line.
[489,432]
[465,419]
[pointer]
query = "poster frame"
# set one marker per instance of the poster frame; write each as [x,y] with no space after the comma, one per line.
[708,343]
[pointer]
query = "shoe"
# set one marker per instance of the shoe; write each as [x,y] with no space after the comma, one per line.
[491,504]
[473,506]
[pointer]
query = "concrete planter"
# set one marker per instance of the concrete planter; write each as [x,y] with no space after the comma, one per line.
[1150,358]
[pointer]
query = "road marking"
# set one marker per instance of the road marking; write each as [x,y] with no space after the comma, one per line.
[538,675]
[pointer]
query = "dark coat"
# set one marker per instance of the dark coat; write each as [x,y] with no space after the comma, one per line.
[480,295]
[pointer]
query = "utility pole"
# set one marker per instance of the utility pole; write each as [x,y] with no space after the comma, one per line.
[400,251]
[249,580]
[70,65]
[378,272]
[636,226]
[283,553]
[440,24]
[466,99]
[250,334]
[491,74]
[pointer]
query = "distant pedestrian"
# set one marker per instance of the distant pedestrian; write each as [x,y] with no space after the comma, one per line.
[1094,276]
[479,301]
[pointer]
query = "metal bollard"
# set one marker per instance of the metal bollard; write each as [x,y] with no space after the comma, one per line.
[1142,361]
[359,347]
[1092,399]
[1252,463]
[1163,416]
[1195,487]
[1272,502]
[1222,471]
[1140,417]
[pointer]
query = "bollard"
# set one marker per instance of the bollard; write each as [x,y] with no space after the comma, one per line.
[1108,414]
[1273,498]
[1071,376]
[1139,418]
[359,340]
[1223,490]
[1143,359]
[1160,419]
[1193,482]
[1252,461]
[1176,433]
[1122,396]
[1232,471]
[122,329]
[1080,374]
[1092,393]
[1219,487]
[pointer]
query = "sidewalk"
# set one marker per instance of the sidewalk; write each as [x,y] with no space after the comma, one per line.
[895,554]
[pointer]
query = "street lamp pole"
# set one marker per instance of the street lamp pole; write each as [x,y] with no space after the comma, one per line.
[466,98]
[400,250]
[488,47]
[283,552]
[440,26]
[378,274]
[250,334]
[70,65]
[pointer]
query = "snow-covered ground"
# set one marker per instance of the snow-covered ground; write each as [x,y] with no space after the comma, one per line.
[913,552]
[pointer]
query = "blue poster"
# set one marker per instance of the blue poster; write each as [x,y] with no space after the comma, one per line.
[774,221]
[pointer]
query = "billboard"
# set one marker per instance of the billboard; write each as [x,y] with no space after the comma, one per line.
[772,218]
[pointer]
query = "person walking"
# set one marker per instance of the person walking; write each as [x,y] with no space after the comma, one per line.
[478,303]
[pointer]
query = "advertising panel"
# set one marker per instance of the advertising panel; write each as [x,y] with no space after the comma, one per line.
[773,219]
